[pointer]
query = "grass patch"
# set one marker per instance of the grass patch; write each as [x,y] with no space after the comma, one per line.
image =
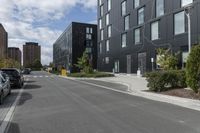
[55,72]
[92,75]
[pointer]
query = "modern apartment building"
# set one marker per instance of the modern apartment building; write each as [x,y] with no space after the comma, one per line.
[70,46]
[31,52]
[15,54]
[3,42]
[131,31]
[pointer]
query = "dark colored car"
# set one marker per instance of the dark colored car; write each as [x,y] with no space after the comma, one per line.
[26,71]
[15,76]
[4,86]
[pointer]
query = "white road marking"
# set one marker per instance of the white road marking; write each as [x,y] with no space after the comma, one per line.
[6,122]
[40,76]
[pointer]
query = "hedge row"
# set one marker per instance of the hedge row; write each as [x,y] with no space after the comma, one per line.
[164,80]
[92,75]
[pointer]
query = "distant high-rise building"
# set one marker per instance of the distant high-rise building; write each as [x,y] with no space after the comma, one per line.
[31,52]
[15,54]
[3,42]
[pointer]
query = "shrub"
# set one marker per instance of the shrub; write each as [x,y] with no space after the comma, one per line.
[167,60]
[91,75]
[163,80]
[193,69]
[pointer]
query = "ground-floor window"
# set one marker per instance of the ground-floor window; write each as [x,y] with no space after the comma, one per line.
[184,59]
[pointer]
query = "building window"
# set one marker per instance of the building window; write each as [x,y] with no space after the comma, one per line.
[155,30]
[88,50]
[88,36]
[87,30]
[159,8]
[100,2]
[107,60]
[107,45]
[123,40]
[123,8]
[136,3]
[186,2]
[141,15]
[179,23]
[107,19]
[109,31]
[101,35]
[91,30]
[184,58]
[89,43]
[126,22]
[109,5]
[101,10]
[100,48]
[100,23]
[137,36]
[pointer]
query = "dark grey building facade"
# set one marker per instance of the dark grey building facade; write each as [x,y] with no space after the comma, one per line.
[131,31]
[70,46]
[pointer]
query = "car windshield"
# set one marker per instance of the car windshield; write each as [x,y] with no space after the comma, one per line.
[11,72]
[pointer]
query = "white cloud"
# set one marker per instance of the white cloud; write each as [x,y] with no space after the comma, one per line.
[19,17]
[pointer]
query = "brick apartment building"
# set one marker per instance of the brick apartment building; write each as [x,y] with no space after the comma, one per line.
[3,42]
[15,54]
[31,52]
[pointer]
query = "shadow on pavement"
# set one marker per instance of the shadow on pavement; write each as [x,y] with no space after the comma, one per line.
[8,101]
[13,128]
[29,81]
[32,86]
[24,97]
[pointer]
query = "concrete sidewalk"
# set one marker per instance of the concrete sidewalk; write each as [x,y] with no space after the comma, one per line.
[138,85]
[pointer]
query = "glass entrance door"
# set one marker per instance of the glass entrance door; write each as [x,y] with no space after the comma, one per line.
[117,66]
[128,58]
[142,62]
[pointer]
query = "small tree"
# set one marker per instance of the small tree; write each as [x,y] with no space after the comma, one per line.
[193,69]
[83,64]
[9,63]
[37,64]
[167,60]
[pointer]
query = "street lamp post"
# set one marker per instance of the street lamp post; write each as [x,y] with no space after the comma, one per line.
[187,12]
[189,31]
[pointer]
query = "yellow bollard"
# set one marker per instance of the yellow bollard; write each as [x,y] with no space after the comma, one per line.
[64,72]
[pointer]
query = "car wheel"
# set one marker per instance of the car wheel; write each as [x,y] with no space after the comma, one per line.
[1,98]
[19,84]
[9,92]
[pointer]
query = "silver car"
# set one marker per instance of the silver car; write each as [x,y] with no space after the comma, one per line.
[4,86]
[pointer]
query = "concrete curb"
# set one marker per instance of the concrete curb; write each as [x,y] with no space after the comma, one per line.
[182,102]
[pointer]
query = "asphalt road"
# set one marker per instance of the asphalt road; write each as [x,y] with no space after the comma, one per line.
[50,104]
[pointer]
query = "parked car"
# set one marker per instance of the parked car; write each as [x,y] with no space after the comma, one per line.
[15,75]
[4,86]
[29,69]
[26,71]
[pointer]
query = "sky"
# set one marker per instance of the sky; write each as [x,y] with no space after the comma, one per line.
[43,21]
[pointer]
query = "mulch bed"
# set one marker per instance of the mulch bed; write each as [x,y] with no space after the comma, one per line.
[185,93]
